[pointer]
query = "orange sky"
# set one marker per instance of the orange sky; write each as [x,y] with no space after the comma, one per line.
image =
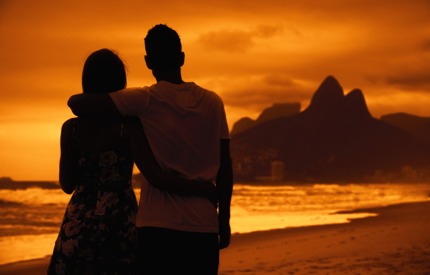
[253,53]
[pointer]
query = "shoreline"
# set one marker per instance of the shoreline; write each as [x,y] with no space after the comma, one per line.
[396,241]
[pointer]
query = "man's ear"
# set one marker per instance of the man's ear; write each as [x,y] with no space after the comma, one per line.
[148,62]
[181,59]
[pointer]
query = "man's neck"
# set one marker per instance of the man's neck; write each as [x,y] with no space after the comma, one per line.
[169,76]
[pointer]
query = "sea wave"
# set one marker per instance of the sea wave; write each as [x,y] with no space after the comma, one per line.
[7,203]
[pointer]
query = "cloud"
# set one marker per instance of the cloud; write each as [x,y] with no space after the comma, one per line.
[411,81]
[259,97]
[227,41]
[279,80]
[265,90]
[237,41]
[268,31]
[408,69]
[425,45]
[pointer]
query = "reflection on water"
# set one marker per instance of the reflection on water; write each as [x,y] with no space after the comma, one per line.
[268,207]
[30,219]
[25,247]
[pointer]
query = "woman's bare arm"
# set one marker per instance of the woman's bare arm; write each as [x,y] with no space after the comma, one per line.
[69,169]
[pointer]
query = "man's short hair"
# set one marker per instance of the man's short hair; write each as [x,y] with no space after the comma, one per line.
[163,47]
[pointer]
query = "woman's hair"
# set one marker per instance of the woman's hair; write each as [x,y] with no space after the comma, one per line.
[103,72]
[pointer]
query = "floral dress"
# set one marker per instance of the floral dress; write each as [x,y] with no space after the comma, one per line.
[98,234]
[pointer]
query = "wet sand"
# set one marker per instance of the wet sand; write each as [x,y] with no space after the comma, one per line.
[397,241]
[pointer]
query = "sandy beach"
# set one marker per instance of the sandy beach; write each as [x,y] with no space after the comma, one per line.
[397,241]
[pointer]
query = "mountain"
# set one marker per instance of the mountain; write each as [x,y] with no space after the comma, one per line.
[275,111]
[334,139]
[415,125]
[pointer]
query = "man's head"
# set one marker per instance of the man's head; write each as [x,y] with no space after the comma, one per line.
[163,49]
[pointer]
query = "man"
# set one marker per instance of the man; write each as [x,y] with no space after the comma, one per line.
[188,133]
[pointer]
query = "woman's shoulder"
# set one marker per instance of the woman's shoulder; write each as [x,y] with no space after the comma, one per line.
[68,125]
[69,122]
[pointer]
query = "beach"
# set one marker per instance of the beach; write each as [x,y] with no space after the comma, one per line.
[396,241]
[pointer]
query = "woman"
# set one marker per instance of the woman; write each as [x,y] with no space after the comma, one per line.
[98,234]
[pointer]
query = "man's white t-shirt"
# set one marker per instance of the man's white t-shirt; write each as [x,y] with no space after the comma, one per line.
[184,124]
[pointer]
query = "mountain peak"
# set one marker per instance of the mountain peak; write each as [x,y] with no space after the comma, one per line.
[355,103]
[330,81]
[328,93]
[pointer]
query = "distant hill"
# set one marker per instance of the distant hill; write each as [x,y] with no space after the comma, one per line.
[334,139]
[277,110]
[8,183]
[415,125]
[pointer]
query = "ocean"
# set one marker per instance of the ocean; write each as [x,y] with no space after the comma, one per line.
[30,218]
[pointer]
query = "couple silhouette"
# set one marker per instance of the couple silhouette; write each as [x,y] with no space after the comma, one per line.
[177,135]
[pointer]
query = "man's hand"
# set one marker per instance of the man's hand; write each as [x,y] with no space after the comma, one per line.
[224,185]
[224,234]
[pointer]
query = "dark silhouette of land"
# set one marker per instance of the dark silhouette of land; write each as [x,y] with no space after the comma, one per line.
[8,183]
[335,139]
[415,125]
[276,111]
